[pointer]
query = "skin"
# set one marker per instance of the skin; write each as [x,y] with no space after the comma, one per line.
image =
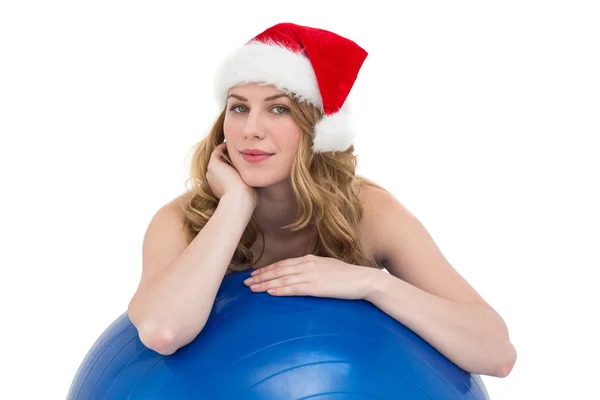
[256,120]
[422,290]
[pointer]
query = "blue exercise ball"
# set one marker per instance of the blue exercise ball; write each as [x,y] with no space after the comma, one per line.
[255,346]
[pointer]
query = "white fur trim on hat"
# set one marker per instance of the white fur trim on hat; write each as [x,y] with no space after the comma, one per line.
[272,64]
[334,132]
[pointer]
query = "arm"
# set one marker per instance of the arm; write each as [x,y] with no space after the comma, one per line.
[470,335]
[427,295]
[177,291]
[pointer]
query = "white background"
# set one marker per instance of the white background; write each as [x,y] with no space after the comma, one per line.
[482,118]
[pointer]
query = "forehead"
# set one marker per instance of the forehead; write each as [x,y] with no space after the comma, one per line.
[250,90]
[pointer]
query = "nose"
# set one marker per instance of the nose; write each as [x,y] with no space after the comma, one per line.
[253,126]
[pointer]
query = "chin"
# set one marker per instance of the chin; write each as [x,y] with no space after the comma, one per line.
[261,181]
[257,181]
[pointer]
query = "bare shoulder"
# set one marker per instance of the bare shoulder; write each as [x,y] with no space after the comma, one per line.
[378,204]
[388,223]
[375,202]
[177,203]
[407,249]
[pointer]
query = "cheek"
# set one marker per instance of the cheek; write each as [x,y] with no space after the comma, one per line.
[231,126]
[290,147]
[294,140]
[227,127]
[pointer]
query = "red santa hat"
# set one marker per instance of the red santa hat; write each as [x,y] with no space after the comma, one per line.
[314,65]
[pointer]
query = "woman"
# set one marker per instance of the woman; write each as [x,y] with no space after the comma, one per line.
[274,189]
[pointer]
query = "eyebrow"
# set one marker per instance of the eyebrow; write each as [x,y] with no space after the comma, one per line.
[241,98]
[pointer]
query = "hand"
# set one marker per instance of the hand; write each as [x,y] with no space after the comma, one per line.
[224,178]
[313,276]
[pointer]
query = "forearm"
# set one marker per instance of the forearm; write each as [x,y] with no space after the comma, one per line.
[173,306]
[473,337]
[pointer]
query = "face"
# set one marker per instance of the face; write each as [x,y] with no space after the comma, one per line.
[259,117]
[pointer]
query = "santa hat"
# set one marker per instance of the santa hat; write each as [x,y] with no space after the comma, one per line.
[315,65]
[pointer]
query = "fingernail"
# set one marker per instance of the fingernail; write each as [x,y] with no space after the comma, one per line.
[254,286]
[248,281]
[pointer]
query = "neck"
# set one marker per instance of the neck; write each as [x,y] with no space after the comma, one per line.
[275,209]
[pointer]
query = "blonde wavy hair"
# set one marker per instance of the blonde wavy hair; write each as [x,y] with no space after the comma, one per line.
[326,188]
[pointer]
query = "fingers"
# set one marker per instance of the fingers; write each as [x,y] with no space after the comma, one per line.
[277,284]
[289,277]
[220,154]
[216,155]
[284,263]
[300,289]
[220,150]
[272,273]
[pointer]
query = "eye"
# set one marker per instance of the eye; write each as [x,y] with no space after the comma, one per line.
[236,109]
[280,109]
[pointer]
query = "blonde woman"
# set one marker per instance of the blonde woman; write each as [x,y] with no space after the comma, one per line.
[274,190]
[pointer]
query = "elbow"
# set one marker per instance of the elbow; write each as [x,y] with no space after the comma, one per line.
[156,338]
[165,341]
[160,337]
[161,341]
[504,368]
[504,353]
[151,333]
[158,332]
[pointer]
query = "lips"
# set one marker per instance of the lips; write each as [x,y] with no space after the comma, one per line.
[256,153]
[253,158]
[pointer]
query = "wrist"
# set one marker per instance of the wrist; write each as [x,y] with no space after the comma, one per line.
[376,283]
[239,201]
[242,197]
